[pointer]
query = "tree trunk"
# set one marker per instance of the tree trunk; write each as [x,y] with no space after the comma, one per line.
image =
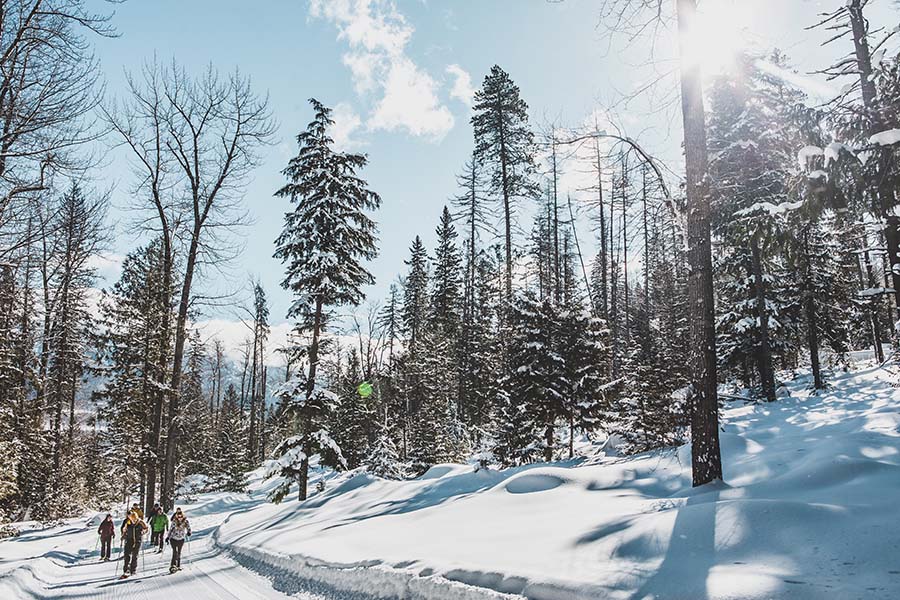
[882,190]
[310,390]
[557,290]
[764,351]
[625,249]
[706,457]
[174,429]
[158,395]
[867,280]
[548,440]
[604,252]
[571,433]
[812,334]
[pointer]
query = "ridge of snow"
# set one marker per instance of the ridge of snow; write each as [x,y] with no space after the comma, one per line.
[888,137]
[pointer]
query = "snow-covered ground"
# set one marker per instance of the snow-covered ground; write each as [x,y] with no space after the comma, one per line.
[62,562]
[809,511]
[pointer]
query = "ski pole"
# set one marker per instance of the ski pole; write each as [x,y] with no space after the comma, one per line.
[118,556]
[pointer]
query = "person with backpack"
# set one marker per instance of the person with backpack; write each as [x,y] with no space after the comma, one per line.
[133,529]
[106,531]
[179,529]
[159,522]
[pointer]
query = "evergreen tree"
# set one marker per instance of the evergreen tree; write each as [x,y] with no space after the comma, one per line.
[197,438]
[324,241]
[480,363]
[750,175]
[352,420]
[383,460]
[133,354]
[504,143]
[230,456]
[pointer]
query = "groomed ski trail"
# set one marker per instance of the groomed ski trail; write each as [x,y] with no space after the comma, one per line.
[62,563]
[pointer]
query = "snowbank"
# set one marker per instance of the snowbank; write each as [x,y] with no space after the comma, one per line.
[808,511]
[886,138]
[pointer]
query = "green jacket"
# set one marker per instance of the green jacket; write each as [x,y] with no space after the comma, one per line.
[159,522]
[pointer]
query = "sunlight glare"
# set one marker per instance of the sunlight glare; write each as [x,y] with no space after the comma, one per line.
[718,34]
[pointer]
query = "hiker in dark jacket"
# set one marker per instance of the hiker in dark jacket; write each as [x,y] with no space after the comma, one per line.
[106,531]
[159,522]
[180,529]
[133,529]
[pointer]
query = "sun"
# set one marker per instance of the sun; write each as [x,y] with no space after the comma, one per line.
[717,35]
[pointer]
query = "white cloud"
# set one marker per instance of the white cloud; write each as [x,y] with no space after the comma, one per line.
[377,35]
[346,122]
[462,85]
[410,103]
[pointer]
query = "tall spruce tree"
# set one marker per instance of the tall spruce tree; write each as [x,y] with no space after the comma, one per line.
[326,238]
[230,464]
[504,144]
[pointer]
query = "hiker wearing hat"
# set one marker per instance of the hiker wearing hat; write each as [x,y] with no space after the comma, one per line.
[106,531]
[133,529]
[178,531]
[159,522]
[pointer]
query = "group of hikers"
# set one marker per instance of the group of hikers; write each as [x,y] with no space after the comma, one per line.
[163,530]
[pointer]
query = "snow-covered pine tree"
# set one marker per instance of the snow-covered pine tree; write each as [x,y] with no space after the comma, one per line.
[584,346]
[312,438]
[230,457]
[197,436]
[866,107]
[750,168]
[77,235]
[414,315]
[352,421]
[481,363]
[536,382]
[504,145]
[415,296]
[257,381]
[133,354]
[326,238]
[383,459]
[444,325]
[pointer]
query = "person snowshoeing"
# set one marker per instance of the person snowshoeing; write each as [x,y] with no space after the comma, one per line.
[179,529]
[133,529]
[137,509]
[159,522]
[106,531]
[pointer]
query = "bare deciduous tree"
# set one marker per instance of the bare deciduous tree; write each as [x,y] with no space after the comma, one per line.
[194,141]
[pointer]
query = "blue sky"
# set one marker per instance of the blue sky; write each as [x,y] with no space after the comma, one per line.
[397,75]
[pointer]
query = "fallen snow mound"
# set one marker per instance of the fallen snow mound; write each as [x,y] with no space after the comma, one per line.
[808,512]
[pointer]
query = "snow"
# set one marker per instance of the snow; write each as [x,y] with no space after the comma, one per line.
[870,292]
[886,138]
[62,562]
[808,511]
[833,152]
[770,208]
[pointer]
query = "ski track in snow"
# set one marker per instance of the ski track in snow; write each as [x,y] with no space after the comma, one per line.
[63,562]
